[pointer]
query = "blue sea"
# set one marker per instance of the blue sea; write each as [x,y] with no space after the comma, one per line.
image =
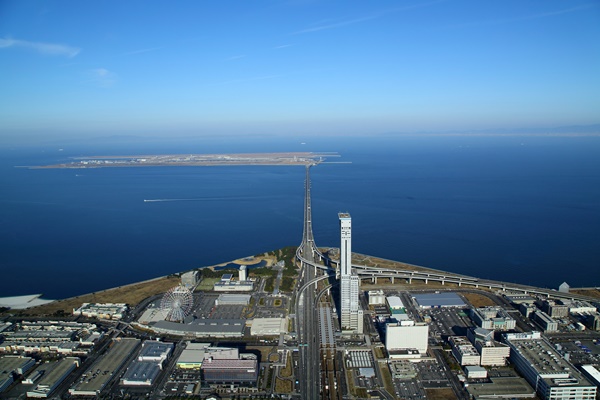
[523,209]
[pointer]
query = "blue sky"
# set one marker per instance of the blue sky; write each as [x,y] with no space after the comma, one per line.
[301,66]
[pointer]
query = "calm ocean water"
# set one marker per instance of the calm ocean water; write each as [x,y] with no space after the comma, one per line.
[519,209]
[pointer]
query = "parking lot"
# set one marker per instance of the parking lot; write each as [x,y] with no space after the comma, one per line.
[431,375]
[271,307]
[449,322]
[409,389]
[580,351]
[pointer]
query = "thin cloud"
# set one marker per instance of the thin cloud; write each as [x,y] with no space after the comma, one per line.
[235,57]
[252,79]
[564,11]
[283,46]
[335,25]
[529,17]
[142,51]
[53,49]
[370,17]
[102,77]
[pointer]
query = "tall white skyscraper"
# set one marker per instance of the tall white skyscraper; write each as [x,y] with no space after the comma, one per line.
[351,313]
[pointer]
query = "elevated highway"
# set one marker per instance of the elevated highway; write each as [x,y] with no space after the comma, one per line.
[315,267]
[306,321]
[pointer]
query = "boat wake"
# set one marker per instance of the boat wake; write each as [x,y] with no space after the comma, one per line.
[157,200]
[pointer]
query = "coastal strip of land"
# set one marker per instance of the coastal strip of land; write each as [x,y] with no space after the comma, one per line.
[195,160]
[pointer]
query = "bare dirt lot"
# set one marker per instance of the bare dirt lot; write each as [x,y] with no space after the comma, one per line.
[129,294]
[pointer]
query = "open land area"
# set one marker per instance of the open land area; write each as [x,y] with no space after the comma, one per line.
[128,294]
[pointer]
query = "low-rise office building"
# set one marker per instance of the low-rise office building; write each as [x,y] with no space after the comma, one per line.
[464,352]
[527,310]
[493,318]
[545,321]
[376,297]
[553,308]
[492,353]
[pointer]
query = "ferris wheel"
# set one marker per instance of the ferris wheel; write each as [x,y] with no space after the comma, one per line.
[177,303]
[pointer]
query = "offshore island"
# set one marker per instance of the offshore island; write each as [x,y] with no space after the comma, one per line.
[304,322]
[195,160]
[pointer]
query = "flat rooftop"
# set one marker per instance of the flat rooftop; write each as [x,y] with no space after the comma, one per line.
[141,373]
[549,364]
[100,373]
[501,387]
[208,327]
[152,348]
[445,299]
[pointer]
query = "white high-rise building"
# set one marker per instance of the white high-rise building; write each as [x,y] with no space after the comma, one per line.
[351,313]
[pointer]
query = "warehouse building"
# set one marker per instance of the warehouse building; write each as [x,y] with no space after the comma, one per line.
[155,351]
[394,303]
[228,284]
[141,373]
[52,375]
[406,335]
[99,374]
[579,307]
[233,300]
[475,372]
[544,368]
[194,354]
[438,300]
[397,309]
[11,367]
[226,371]
[219,328]
[520,299]
[268,326]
